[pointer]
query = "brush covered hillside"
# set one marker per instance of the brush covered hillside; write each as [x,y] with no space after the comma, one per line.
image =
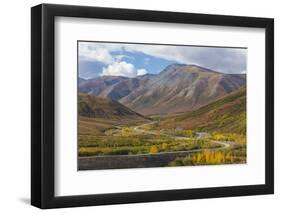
[226,115]
[178,88]
[100,107]
[98,114]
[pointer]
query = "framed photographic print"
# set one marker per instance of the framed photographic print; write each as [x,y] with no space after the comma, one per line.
[139,106]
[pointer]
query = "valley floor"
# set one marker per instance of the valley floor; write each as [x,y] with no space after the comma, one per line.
[144,144]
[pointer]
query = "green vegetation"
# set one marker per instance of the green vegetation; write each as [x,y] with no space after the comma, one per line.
[141,144]
[239,139]
[213,134]
[235,153]
[146,138]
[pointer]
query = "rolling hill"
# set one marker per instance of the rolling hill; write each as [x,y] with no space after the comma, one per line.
[228,114]
[105,108]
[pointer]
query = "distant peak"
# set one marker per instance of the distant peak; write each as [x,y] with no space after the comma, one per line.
[81,79]
[113,76]
[173,67]
[201,69]
[177,67]
[145,75]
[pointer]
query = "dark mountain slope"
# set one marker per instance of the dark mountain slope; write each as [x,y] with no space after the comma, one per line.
[228,114]
[114,87]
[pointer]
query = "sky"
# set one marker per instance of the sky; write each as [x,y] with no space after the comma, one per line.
[130,60]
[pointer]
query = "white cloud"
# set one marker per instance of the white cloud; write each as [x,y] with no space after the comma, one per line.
[90,53]
[227,60]
[122,68]
[141,71]
[121,57]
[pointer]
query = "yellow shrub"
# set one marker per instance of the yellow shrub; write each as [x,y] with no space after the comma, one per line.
[189,133]
[164,146]
[209,157]
[218,137]
[153,149]
[125,132]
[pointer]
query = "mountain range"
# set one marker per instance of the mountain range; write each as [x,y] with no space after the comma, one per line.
[178,88]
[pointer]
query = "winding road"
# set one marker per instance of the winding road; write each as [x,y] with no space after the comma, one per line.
[199,135]
[148,159]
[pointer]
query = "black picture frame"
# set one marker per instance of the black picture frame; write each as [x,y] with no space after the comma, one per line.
[43,102]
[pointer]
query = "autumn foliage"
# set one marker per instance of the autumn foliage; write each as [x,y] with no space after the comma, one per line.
[209,157]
